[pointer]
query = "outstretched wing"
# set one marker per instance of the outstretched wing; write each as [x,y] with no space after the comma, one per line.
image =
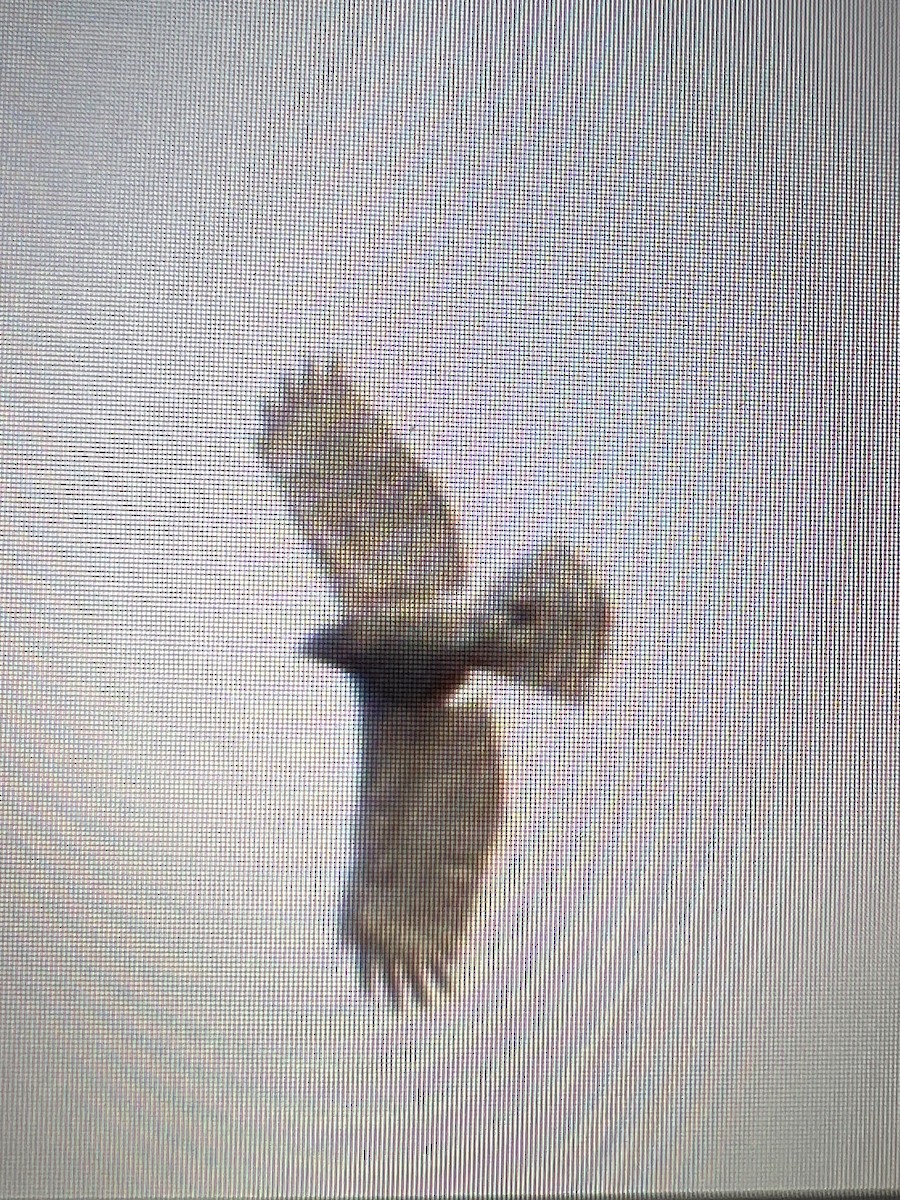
[375,517]
[431,808]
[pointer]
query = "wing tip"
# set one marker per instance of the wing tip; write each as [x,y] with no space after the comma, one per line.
[402,976]
[418,982]
[314,374]
[299,393]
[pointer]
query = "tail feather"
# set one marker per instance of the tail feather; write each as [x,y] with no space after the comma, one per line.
[550,623]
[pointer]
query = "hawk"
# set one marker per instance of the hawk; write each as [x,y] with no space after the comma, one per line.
[432,786]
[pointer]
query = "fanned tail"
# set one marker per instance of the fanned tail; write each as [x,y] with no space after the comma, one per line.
[549,623]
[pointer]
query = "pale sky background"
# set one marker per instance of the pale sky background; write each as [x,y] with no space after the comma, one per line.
[627,272]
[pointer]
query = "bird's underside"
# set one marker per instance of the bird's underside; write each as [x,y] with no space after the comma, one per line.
[433,787]
[431,795]
[431,792]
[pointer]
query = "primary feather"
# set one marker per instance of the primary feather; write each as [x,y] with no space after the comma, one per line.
[434,802]
[373,514]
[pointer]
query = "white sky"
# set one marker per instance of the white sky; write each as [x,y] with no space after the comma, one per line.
[610,273]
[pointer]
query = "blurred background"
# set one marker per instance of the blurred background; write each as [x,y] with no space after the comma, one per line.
[625,272]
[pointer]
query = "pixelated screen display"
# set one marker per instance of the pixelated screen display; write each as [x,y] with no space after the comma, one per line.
[449,557]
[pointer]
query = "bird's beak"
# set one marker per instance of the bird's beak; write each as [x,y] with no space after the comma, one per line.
[324,645]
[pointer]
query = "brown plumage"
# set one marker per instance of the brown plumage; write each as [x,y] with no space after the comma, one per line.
[431,796]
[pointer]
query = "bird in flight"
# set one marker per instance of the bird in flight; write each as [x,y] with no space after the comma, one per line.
[432,783]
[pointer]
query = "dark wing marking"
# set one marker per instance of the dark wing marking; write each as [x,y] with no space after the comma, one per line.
[431,807]
[376,518]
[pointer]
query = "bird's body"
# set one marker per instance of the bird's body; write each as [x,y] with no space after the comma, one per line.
[432,792]
[411,665]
